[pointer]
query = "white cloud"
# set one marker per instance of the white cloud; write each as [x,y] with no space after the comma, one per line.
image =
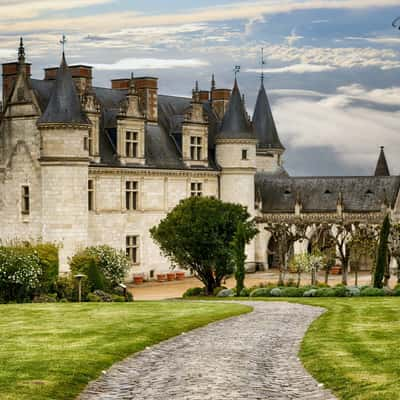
[387,96]
[151,63]
[293,38]
[320,21]
[295,69]
[381,39]
[353,132]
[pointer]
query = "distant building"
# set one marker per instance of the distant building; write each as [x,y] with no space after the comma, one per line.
[82,165]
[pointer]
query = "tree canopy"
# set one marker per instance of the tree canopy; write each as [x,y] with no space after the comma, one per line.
[198,235]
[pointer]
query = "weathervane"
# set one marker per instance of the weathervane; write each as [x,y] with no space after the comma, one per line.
[63,41]
[396,23]
[262,64]
[236,70]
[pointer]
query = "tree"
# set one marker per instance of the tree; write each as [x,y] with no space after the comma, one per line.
[300,264]
[198,233]
[239,257]
[285,234]
[382,264]
[394,246]
[363,242]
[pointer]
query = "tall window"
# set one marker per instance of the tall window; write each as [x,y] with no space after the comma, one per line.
[131,144]
[131,195]
[195,147]
[132,248]
[25,200]
[90,142]
[244,154]
[90,195]
[196,189]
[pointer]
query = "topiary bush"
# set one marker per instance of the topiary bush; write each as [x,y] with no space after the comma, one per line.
[370,291]
[261,292]
[340,291]
[276,292]
[310,293]
[226,293]
[292,292]
[353,291]
[194,292]
[218,289]
[245,292]
[325,292]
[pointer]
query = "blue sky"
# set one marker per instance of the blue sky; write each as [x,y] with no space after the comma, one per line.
[332,66]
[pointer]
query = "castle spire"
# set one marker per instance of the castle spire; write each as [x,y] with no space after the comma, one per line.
[64,106]
[21,56]
[235,124]
[264,124]
[382,168]
[213,86]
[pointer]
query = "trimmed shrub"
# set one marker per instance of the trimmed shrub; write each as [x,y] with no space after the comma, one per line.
[245,292]
[194,292]
[65,288]
[353,291]
[95,276]
[226,293]
[310,293]
[104,297]
[118,299]
[292,292]
[340,291]
[388,291]
[45,298]
[261,292]
[325,292]
[372,292]
[218,289]
[276,292]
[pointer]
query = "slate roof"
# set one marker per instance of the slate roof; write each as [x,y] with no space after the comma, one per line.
[235,124]
[382,168]
[64,105]
[320,194]
[264,124]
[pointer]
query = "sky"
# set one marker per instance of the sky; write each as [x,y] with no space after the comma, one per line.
[332,67]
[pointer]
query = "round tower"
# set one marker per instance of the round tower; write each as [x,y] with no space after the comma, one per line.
[236,156]
[64,161]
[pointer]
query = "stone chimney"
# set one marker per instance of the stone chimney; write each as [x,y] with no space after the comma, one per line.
[81,74]
[220,100]
[204,95]
[146,88]
[120,84]
[10,73]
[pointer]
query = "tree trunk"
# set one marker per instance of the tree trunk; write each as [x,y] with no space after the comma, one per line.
[298,278]
[356,277]
[326,276]
[281,276]
[345,267]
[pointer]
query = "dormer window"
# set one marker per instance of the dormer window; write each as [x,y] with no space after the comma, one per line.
[195,147]
[131,144]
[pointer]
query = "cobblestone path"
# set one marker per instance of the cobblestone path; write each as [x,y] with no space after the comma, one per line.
[253,356]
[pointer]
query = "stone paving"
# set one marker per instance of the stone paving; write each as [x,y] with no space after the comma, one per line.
[252,357]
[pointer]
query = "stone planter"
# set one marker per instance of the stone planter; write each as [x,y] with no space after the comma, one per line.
[180,276]
[336,270]
[161,277]
[138,279]
[171,276]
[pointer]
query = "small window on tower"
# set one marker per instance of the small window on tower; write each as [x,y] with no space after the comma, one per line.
[90,195]
[244,154]
[25,200]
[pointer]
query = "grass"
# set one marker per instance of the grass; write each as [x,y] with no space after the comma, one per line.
[52,351]
[354,347]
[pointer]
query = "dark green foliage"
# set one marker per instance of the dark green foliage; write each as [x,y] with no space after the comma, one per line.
[292,292]
[197,234]
[95,276]
[245,292]
[218,289]
[239,256]
[372,292]
[261,292]
[383,254]
[326,292]
[65,288]
[340,291]
[193,292]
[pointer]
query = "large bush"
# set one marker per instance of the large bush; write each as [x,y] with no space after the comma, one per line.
[20,273]
[112,264]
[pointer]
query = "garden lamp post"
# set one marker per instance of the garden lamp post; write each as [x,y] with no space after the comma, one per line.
[79,278]
[123,286]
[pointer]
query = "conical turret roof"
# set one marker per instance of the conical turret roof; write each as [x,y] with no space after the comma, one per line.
[264,124]
[235,124]
[64,105]
[382,168]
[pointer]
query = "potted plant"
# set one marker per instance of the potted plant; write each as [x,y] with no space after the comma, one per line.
[171,276]
[180,276]
[161,277]
[138,279]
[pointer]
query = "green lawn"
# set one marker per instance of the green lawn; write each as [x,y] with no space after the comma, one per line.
[52,351]
[354,348]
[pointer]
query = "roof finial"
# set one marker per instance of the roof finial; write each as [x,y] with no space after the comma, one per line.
[213,82]
[236,70]
[132,88]
[262,65]
[196,86]
[21,51]
[63,41]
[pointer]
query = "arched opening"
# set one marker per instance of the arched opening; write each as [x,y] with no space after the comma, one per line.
[273,253]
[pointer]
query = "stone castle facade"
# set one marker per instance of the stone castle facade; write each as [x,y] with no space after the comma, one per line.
[82,165]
